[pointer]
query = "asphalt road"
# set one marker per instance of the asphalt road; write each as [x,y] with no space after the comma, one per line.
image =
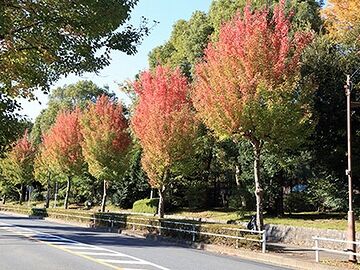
[41,245]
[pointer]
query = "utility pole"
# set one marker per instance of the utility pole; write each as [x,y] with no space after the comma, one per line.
[351,217]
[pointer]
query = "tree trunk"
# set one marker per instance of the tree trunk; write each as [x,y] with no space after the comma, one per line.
[22,193]
[68,186]
[259,192]
[240,186]
[279,202]
[4,199]
[47,201]
[161,202]
[103,201]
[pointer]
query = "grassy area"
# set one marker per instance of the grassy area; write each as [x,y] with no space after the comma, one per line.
[334,221]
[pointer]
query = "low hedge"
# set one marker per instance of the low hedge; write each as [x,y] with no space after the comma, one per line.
[149,206]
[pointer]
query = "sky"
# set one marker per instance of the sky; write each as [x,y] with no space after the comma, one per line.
[124,67]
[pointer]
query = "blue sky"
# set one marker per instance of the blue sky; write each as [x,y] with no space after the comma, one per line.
[124,67]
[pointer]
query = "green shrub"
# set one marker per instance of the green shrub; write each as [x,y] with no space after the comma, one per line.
[146,206]
[38,212]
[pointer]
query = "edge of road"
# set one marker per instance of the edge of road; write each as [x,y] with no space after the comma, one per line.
[273,258]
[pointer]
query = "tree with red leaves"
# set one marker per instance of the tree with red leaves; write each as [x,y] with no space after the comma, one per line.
[106,141]
[248,85]
[62,147]
[165,124]
[17,166]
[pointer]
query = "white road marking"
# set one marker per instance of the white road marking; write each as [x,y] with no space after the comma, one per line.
[82,247]
[121,261]
[72,246]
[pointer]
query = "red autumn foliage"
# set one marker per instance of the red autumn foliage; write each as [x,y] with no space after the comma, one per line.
[252,50]
[163,120]
[62,143]
[23,149]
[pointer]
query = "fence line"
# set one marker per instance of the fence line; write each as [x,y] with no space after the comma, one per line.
[317,249]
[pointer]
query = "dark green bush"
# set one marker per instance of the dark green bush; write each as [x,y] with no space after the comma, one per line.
[38,212]
[297,202]
[146,206]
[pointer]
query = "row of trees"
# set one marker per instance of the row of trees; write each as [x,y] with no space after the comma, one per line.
[251,104]
[94,141]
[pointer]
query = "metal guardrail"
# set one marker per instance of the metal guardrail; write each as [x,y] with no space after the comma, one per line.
[193,231]
[343,252]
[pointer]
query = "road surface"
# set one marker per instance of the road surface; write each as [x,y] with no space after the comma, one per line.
[28,244]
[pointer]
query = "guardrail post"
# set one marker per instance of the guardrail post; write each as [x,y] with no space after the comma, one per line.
[317,257]
[194,233]
[263,241]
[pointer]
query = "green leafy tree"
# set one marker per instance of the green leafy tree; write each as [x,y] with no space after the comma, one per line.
[134,185]
[42,40]
[186,45]
[106,142]
[12,125]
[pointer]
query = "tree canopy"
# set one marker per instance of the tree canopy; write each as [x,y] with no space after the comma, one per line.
[42,40]
[63,98]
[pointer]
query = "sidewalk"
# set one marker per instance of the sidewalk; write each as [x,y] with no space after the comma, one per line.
[293,257]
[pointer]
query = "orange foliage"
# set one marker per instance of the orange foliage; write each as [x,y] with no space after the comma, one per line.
[253,54]
[62,143]
[342,16]
[163,121]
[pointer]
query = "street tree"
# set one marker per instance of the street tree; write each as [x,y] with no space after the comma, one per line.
[62,148]
[106,142]
[42,40]
[248,86]
[165,124]
[18,164]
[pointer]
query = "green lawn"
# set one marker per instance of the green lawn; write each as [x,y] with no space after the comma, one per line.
[335,221]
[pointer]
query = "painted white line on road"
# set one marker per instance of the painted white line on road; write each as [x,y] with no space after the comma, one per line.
[122,261]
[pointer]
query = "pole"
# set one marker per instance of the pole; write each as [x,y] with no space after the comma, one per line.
[56,191]
[351,217]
